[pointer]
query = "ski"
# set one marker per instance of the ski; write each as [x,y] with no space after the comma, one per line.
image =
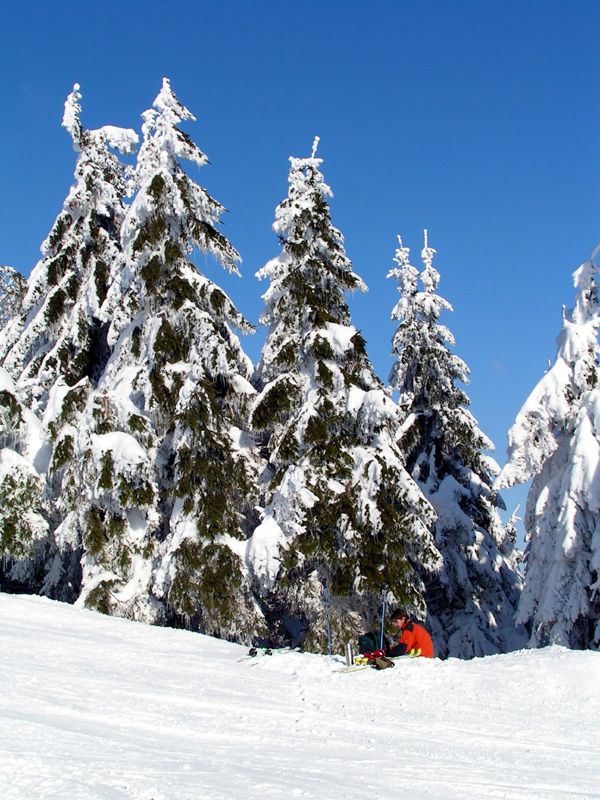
[369,664]
[353,668]
[254,652]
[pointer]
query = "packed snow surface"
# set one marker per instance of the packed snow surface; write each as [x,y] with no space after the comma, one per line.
[106,709]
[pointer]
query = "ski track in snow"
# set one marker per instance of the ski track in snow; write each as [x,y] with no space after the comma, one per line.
[95,708]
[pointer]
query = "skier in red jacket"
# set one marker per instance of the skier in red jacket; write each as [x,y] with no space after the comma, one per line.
[414,639]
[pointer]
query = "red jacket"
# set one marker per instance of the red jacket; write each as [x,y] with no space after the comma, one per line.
[413,637]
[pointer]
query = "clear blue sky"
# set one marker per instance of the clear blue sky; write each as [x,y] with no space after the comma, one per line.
[477,120]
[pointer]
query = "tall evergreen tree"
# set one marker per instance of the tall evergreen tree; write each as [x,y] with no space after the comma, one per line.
[55,348]
[471,599]
[556,441]
[341,512]
[180,372]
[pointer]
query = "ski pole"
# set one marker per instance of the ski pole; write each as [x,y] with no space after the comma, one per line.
[382,620]
[327,616]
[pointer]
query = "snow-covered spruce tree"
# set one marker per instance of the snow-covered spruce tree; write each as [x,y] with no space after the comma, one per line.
[55,348]
[23,527]
[556,441]
[60,332]
[471,599]
[13,287]
[181,374]
[341,512]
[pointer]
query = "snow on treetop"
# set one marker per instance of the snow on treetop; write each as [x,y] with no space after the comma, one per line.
[402,258]
[166,102]
[300,179]
[161,124]
[298,164]
[587,280]
[71,116]
[430,277]
[125,140]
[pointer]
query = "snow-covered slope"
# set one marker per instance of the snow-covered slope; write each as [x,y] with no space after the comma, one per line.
[97,708]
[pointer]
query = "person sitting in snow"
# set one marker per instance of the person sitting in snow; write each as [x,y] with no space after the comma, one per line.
[414,639]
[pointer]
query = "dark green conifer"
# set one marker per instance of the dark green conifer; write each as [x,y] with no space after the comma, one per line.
[340,510]
[181,371]
[471,597]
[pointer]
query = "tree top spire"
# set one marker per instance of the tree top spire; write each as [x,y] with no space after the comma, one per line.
[429,276]
[167,101]
[71,117]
